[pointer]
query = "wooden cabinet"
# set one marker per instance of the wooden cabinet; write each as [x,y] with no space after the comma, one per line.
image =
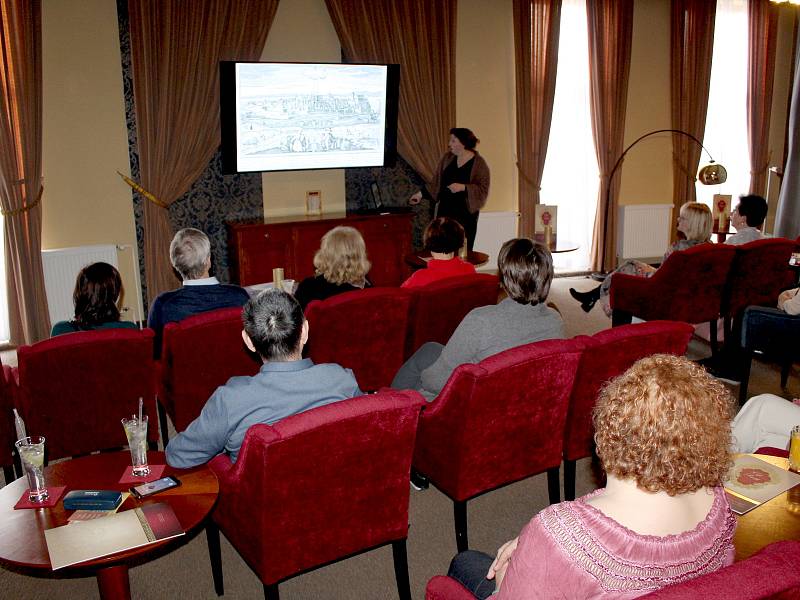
[255,248]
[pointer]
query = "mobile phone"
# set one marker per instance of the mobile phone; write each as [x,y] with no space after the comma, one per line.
[154,487]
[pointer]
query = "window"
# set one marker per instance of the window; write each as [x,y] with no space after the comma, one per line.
[571,176]
[726,120]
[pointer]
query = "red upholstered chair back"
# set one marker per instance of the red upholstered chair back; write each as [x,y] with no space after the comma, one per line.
[320,485]
[500,420]
[7,433]
[364,330]
[760,271]
[607,354]
[687,287]
[200,354]
[75,388]
[438,308]
[442,587]
[770,573]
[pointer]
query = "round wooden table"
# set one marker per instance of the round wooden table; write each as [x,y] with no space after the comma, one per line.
[22,542]
[774,521]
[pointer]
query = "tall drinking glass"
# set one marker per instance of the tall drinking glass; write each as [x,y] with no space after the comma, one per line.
[794,449]
[31,453]
[136,432]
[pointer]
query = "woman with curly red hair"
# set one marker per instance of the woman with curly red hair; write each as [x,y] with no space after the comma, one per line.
[663,435]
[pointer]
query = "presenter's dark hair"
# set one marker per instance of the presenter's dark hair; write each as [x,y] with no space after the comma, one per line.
[526,270]
[753,208]
[274,322]
[466,137]
[444,235]
[97,289]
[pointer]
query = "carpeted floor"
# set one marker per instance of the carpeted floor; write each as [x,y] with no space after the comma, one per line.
[493,519]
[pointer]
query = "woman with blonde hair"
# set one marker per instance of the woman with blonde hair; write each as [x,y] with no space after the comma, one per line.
[663,435]
[340,264]
[694,223]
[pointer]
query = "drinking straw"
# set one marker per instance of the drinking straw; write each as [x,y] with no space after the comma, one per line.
[140,410]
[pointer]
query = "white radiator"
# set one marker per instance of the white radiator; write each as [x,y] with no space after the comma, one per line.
[61,268]
[643,231]
[494,229]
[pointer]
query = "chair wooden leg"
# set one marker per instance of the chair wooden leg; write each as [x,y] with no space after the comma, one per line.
[460,515]
[619,317]
[785,368]
[162,423]
[8,474]
[215,556]
[553,489]
[271,592]
[712,324]
[569,480]
[401,569]
[747,360]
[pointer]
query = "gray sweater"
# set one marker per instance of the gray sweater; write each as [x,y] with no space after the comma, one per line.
[488,330]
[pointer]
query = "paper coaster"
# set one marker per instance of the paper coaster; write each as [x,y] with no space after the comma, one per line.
[54,496]
[156,471]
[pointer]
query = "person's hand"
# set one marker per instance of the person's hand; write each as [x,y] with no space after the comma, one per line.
[415,199]
[497,570]
[456,187]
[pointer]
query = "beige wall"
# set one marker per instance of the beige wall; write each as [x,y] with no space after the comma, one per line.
[485,94]
[84,132]
[646,174]
[302,31]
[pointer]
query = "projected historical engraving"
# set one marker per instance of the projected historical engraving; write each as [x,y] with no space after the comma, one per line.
[286,111]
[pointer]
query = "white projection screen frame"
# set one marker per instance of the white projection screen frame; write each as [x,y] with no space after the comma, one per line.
[296,116]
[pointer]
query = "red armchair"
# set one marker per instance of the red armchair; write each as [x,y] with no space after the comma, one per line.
[198,355]
[759,273]
[688,287]
[497,422]
[7,433]
[75,388]
[771,573]
[317,487]
[437,309]
[364,330]
[608,354]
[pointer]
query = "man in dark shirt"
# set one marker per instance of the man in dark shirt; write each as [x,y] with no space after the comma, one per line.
[190,254]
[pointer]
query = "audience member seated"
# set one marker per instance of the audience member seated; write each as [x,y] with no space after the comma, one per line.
[97,296]
[443,238]
[694,223]
[765,420]
[287,384]
[190,253]
[748,218]
[663,436]
[789,301]
[340,264]
[525,273]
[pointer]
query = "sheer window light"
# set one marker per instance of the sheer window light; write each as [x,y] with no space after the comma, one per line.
[726,119]
[571,177]
[5,333]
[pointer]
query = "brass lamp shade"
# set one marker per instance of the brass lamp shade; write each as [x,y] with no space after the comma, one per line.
[712,174]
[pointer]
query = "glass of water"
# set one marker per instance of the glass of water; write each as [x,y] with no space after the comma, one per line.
[136,432]
[31,454]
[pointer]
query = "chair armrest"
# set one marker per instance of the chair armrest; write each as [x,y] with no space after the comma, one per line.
[446,588]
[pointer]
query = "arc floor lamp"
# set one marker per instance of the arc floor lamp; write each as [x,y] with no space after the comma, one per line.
[711,174]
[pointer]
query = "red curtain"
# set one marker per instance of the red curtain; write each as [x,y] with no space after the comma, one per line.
[175,51]
[536,32]
[21,167]
[610,35]
[419,35]
[692,46]
[762,25]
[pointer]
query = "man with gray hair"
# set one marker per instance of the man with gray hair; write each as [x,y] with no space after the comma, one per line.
[287,384]
[190,254]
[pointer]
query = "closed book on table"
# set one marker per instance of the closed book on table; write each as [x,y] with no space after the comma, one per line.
[79,542]
[92,500]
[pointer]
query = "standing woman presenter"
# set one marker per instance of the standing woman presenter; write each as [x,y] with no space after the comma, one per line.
[460,184]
